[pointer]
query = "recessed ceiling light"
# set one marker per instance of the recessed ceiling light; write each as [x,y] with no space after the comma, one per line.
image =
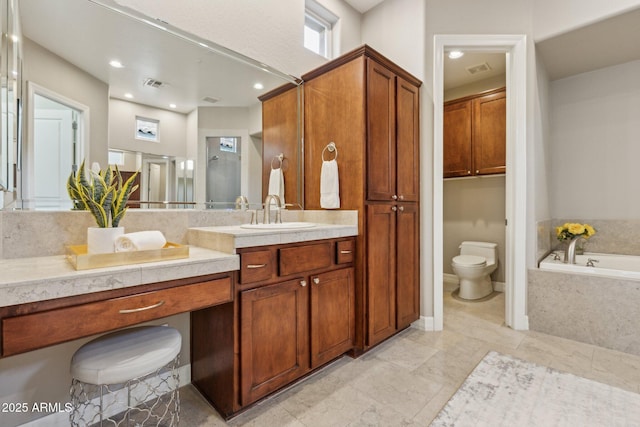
[116,64]
[258,86]
[172,105]
[455,54]
[128,95]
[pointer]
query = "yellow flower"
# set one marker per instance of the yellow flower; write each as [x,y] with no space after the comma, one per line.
[576,229]
[559,230]
[590,230]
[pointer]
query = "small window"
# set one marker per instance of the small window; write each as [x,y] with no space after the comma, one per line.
[318,23]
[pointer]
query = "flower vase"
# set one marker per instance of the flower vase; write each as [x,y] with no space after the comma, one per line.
[101,240]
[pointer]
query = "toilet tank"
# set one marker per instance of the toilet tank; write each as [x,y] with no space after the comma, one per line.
[487,250]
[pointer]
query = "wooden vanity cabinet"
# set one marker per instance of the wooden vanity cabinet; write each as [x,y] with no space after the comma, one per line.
[297,316]
[474,135]
[369,107]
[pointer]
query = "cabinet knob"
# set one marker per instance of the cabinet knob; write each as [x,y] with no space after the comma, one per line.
[468,172]
[401,208]
[303,283]
[394,208]
[316,280]
[477,171]
[401,197]
[394,197]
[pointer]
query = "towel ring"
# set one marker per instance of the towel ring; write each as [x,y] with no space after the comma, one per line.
[331,147]
[279,158]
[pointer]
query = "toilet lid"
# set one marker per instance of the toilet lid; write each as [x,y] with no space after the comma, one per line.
[469,260]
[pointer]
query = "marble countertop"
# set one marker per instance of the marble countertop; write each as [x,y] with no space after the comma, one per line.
[228,238]
[26,280]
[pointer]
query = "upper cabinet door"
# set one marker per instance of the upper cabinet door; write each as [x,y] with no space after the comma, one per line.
[407,141]
[456,127]
[490,133]
[381,132]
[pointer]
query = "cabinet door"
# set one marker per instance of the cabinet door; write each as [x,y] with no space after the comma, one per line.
[381,272]
[332,315]
[381,132]
[490,133]
[456,128]
[274,337]
[407,265]
[408,141]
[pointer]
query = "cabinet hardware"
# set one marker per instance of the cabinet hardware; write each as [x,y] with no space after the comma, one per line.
[394,197]
[345,252]
[394,208]
[316,280]
[135,310]
[401,197]
[303,283]
[477,171]
[256,265]
[401,208]
[468,172]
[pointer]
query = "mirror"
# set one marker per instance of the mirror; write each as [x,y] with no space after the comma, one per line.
[152,111]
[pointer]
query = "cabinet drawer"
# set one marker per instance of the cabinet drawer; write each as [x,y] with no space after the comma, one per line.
[299,259]
[345,251]
[256,266]
[36,330]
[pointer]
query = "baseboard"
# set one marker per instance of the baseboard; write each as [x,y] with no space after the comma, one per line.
[424,323]
[498,286]
[61,419]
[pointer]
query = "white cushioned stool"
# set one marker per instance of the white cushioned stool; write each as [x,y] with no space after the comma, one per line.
[127,376]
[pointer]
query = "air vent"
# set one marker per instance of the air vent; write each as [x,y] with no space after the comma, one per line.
[480,68]
[153,83]
[210,99]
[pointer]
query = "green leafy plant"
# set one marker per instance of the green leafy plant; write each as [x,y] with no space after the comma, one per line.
[103,193]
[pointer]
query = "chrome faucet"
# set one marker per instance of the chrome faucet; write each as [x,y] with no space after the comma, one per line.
[267,208]
[570,253]
[242,203]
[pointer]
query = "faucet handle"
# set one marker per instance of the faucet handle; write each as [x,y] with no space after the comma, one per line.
[590,262]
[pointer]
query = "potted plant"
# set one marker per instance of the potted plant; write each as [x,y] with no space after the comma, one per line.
[105,195]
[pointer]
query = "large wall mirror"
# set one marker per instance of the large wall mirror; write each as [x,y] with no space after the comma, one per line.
[106,84]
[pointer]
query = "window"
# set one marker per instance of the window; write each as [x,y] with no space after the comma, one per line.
[318,23]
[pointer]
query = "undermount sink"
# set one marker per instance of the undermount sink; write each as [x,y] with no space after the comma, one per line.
[279,226]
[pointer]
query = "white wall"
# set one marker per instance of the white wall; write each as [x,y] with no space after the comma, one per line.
[172,130]
[553,17]
[347,31]
[595,144]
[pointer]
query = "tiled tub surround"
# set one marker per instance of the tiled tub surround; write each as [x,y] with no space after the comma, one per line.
[596,310]
[591,309]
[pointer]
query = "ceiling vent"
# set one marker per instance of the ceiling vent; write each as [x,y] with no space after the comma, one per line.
[152,83]
[477,69]
[210,99]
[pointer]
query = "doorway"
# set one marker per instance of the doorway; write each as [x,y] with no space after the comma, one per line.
[55,147]
[223,170]
[515,196]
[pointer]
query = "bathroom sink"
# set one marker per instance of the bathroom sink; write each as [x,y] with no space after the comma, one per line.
[279,226]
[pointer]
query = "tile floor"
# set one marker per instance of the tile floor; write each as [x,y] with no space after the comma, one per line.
[406,380]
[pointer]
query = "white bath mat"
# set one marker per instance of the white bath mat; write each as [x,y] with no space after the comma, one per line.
[505,391]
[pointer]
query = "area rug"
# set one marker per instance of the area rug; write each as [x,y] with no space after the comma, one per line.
[505,391]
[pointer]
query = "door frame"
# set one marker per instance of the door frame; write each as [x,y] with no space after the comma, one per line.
[515,48]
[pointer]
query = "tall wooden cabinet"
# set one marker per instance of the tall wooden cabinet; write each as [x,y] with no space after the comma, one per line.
[474,135]
[369,107]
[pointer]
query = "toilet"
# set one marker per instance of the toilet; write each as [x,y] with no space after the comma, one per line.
[477,260]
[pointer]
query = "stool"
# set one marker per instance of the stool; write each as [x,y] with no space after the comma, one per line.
[127,376]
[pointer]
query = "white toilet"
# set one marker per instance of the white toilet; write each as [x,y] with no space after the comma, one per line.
[477,260]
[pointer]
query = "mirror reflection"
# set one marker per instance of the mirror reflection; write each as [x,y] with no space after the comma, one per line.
[142,97]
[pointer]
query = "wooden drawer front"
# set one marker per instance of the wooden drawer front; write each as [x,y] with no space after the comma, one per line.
[36,330]
[256,266]
[345,251]
[300,259]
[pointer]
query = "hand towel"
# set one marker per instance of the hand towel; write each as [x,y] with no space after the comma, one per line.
[329,185]
[276,184]
[140,241]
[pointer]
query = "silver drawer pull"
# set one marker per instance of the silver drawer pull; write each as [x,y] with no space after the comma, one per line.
[135,310]
[256,265]
[345,252]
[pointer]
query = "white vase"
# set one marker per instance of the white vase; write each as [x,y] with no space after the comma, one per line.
[102,240]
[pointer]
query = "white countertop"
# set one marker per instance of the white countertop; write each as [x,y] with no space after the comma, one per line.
[228,238]
[26,280]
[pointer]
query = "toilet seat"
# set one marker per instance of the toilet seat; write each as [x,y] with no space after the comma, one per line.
[469,260]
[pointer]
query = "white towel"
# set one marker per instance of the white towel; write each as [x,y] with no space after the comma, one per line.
[140,241]
[276,184]
[329,185]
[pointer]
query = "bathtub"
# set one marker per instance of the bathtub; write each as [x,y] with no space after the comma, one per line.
[605,265]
